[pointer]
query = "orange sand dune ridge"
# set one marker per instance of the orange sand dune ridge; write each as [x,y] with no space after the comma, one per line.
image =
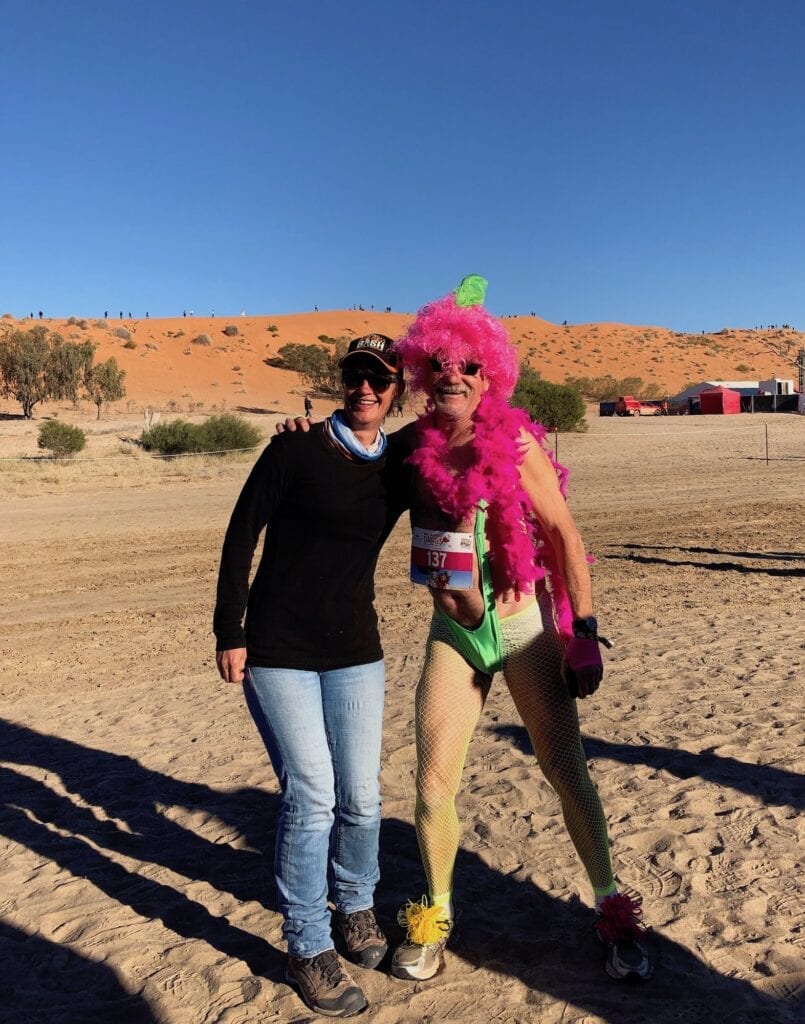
[164,362]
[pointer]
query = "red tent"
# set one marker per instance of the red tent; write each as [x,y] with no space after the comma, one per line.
[719,401]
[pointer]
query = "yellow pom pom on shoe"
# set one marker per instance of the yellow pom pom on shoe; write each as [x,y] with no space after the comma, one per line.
[425,924]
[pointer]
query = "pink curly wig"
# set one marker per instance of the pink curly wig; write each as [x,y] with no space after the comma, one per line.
[452,332]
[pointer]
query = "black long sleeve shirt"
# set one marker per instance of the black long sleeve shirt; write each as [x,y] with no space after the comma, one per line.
[310,605]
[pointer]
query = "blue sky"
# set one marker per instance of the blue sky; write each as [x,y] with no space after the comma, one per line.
[636,161]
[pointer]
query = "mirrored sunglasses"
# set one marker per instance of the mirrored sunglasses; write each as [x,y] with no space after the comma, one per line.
[464,368]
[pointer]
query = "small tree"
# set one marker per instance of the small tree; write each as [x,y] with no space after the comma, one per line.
[67,367]
[555,406]
[23,368]
[60,439]
[317,366]
[104,383]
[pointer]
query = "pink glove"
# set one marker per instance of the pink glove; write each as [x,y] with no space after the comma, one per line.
[582,667]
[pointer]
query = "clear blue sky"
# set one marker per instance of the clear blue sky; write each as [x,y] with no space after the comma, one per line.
[637,161]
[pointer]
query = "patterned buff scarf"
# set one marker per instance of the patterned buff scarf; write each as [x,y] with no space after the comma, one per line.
[343,438]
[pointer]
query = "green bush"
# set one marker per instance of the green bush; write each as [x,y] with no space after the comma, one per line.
[555,406]
[217,434]
[61,439]
[174,437]
[226,433]
[317,366]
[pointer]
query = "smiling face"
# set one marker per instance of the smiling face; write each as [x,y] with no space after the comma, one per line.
[455,392]
[368,393]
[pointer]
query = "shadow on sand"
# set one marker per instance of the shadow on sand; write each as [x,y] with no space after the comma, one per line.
[510,926]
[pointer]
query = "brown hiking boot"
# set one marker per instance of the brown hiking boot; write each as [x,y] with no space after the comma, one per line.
[324,985]
[365,943]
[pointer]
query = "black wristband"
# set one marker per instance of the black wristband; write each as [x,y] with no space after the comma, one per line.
[587,629]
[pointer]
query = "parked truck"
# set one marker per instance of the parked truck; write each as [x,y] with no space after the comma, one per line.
[627,405]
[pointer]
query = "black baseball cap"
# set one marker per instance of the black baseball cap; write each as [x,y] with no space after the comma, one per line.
[379,346]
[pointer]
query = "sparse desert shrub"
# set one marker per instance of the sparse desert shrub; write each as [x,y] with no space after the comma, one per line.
[7,316]
[83,324]
[743,368]
[231,331]
[201,339]
[121,332]
[175,437]
[102,324]
[272,329]
[556,406]
[217,434]
[60,439]
[131,343]
[226,433]
[72,321]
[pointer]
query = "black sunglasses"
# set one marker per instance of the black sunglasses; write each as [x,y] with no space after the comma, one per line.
[464,368]
[379,382]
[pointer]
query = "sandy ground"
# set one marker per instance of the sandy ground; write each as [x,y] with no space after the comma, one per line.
[138,807]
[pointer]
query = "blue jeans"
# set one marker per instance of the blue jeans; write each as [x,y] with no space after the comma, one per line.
[322,731]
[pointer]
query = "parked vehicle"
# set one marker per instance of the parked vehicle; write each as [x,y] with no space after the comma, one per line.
[606,408]
[627,405]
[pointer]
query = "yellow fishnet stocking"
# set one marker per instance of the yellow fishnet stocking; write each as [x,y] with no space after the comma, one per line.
[449,700]
[532,669]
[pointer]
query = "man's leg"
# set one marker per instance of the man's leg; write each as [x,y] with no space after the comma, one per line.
[449,699]
[532,669]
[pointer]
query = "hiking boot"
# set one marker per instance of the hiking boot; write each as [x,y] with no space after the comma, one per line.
[324,985]
[422,954]
[365,943]
[618,926]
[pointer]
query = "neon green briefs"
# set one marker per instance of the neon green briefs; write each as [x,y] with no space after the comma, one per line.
[480,646]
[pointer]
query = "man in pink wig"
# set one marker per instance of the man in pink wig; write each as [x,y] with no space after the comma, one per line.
[496,544]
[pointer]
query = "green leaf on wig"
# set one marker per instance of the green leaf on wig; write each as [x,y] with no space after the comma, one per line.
[471,291]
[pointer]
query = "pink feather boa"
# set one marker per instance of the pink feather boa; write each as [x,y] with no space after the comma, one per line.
[518,550]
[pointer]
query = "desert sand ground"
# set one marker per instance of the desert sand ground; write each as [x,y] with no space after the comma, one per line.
[138,806]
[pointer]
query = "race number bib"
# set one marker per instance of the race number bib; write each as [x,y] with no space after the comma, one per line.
[442,560]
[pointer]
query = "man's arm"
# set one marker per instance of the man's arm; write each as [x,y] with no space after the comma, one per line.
[582,665]
[539,481]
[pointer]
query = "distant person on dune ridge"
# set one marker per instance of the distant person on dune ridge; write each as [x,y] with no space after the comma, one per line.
[311,664]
